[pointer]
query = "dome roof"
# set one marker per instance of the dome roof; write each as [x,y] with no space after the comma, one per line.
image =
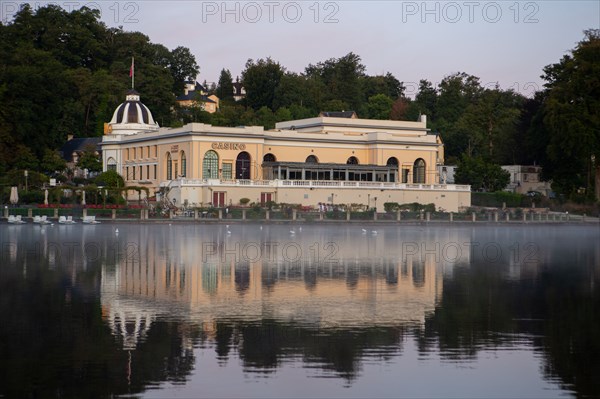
[133,115]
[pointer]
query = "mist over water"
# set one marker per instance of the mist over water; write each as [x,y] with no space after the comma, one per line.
[250,310]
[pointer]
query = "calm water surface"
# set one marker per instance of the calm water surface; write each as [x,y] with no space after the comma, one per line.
[311,311]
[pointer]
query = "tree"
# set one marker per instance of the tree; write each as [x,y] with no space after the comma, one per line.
[425,100]
[52,162]
[341,78]
[294,89]
[489,120]
[481,174]
[225,86]
[400,109]
[261,79]
[90,160]
[456,92]
[183,67]
[382,84]
[571,117]
[24,158]
[379,106]
[110,179]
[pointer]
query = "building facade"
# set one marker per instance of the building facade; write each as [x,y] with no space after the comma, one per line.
[337,160]
[526,179]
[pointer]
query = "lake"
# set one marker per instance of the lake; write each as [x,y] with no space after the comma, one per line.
[345,310]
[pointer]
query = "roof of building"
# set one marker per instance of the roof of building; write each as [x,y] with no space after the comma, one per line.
[194,96]
[79,145]
[132,111]
[339,114]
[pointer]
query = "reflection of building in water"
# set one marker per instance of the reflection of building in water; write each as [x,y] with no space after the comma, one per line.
[128,320]
[350,292]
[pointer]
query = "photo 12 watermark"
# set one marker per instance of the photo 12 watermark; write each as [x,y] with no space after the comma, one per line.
[453,12]
[115,12]
[253,12]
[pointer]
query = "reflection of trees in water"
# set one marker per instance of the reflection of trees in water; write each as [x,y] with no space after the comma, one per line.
[53,341]
[264,345]
[557,313]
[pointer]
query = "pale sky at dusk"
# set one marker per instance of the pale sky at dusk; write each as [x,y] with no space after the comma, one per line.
[499,41]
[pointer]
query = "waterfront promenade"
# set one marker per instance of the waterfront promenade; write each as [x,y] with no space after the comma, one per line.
[242,215]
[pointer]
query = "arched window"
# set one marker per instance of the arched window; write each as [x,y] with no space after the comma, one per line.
[183,164]
[111,164]
[352,161]
[419,171]
[169,166]
[392,161]
[210,165]
[269,158]
[311,159]
[242,166]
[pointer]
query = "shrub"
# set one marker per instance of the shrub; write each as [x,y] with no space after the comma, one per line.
[391,206]
[244,201]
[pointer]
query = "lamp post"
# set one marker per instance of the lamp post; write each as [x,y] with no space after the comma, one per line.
[375,199]
[26,176]
[332,200]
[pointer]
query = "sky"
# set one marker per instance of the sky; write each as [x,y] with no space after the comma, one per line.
[503,42]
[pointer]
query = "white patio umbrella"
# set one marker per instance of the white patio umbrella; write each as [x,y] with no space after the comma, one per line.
[46,197]
[14,195]
[83,197]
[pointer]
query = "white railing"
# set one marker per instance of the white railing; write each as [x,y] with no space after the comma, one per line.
[323,184]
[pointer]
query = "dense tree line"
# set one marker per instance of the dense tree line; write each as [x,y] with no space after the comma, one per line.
[482,126]
[65,72]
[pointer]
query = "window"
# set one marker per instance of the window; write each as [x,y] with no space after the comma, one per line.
[183,164]
[242,166]
[393,161]
[169,167]
[419,171]
[147,171]
[141,177]
[269,158]
[352,161]
[127,173]
[227,171]
[154,171]
[111,164]
[311,159]
[210,165]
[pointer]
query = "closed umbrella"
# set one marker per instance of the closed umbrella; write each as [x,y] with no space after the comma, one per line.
[46,197]
[14,195]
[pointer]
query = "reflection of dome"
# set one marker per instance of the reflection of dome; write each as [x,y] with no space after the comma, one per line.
[132,116]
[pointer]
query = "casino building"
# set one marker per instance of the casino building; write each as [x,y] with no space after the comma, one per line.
[334,158]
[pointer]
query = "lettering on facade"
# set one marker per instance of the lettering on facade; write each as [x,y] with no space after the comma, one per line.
[174,148]
[229,146]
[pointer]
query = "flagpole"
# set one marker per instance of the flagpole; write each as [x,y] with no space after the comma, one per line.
[132,72]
